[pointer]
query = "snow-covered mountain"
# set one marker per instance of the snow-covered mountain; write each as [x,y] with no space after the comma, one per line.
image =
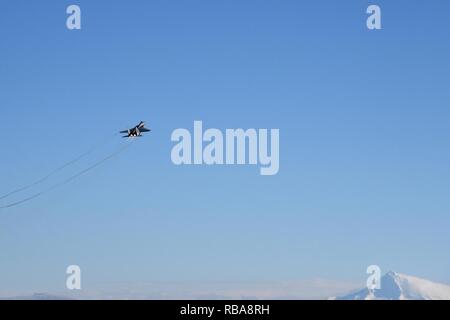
[396,286]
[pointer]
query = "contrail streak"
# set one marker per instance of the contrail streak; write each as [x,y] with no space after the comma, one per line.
[39,181]
[66,181]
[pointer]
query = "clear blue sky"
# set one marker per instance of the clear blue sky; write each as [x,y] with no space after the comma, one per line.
[364,135]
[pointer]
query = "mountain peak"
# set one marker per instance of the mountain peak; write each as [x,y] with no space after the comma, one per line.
[397,286]
[391,273]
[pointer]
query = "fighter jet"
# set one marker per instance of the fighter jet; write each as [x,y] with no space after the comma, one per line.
[135,131]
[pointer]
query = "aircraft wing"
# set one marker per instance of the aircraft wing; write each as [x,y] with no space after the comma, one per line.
[144,130]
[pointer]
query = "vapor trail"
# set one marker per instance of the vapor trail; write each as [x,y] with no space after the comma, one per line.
[44,178]
[71,178]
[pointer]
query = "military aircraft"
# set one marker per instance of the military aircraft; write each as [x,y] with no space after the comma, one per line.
[136,131]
